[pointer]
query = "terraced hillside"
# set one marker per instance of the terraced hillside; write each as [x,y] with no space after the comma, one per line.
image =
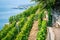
[21,26]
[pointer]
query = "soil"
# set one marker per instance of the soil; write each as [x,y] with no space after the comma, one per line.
[33,32]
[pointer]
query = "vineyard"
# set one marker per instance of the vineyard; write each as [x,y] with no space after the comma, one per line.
[20,25]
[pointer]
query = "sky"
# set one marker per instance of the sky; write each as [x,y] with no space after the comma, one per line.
[3,2]
[14,3]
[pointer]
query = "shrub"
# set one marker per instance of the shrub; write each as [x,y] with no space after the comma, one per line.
[49,17]
[23,35]
[41,35]
[14,31]
[6,30]
[40,18]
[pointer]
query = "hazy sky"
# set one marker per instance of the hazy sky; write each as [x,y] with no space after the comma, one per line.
[13,3]
[3,2]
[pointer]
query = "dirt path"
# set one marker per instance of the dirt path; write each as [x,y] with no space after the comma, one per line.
[33,32]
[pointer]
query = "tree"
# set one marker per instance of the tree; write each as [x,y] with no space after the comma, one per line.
[47,2]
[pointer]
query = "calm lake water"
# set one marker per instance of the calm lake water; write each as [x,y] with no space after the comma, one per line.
[6,9]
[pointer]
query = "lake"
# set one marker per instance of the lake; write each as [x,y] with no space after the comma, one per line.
[6,9]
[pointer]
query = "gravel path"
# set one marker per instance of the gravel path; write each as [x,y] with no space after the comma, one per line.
[57,33]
